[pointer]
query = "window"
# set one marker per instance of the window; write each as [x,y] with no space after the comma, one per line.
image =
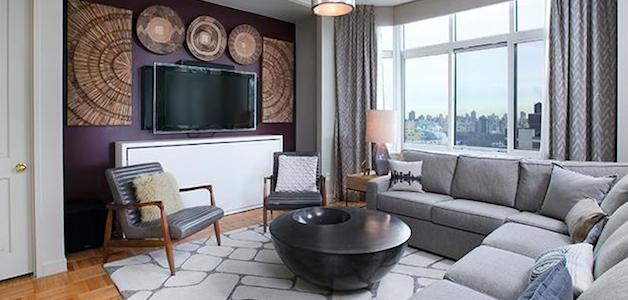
[427,32]
[427,81]
[482,98]
[530,14]
[529,94]
[385,70]
[472,80]
[483,22]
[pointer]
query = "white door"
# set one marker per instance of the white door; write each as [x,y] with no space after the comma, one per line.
[15,139]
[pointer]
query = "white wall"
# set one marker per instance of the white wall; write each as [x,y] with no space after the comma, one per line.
[326,97]
[48,136]
[425,9]
[306,84]
[622,82]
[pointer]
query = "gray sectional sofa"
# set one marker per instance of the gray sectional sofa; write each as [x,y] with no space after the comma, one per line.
[485,212]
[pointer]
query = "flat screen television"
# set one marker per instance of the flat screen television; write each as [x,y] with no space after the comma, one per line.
[202,99]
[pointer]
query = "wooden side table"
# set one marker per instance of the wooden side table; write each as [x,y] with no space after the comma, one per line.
[358,182]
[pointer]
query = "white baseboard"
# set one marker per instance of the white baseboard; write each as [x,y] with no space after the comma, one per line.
[50,268]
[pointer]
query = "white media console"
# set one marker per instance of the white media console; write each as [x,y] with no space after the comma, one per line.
[235,166]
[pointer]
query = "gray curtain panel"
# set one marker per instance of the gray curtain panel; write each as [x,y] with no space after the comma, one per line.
[356,75]
[583,80]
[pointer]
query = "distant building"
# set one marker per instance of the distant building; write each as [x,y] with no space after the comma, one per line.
[412,115]
[482,125]
[534,120]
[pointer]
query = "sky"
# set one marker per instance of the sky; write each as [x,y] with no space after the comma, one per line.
[481,75]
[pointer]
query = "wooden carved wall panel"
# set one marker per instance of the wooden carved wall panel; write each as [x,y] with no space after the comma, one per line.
[99,41]
[277,81]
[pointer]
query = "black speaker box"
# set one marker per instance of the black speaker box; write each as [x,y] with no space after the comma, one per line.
[84,225]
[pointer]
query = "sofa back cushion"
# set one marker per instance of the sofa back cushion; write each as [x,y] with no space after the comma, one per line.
[492,180]
[616,220]
[438,169]
[612,251]
[610,286]
[534,178]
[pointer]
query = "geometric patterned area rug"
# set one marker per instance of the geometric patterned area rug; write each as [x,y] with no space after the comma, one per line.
[246,266]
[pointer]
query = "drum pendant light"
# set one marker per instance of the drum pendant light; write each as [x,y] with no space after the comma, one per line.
[332,8]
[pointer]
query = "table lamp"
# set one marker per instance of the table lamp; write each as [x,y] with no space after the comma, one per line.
[380,130]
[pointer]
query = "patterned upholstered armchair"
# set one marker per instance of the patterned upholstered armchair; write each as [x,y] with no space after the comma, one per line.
[156,233]
[274,200]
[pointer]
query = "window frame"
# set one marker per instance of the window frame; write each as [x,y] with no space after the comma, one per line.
[510,40]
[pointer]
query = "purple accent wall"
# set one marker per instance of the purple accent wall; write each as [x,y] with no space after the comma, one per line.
[88,151]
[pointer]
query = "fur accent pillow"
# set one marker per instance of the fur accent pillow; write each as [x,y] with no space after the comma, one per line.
[579,258]
[157,187]
[297,174]
[582,217]
[405,176]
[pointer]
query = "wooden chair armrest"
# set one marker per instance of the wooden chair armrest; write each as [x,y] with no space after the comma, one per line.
[266,180]
[194,188]
[208,187]
[113,206]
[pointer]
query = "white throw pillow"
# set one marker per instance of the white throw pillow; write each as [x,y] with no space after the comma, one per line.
[297,174]
[405,176]
[579,264]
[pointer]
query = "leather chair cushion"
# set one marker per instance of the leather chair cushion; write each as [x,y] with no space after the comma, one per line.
[182,223]
[289,200]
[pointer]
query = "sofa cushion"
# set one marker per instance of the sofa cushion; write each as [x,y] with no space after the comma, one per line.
[495,272]
[491,180]
[616,220]
[536,220]
[447,290]
[438,169]
[470,215]
[613,251]
[597,169]
[612,285]
[534,178]
[568,187]
[405,176]
[525,240]
[616,197]
[410,204]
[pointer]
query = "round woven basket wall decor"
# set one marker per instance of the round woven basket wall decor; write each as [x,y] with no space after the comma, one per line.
[245,44]
[160,29]
[206,38]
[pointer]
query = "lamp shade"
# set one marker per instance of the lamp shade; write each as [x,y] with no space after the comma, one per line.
[332,8]
[379,126]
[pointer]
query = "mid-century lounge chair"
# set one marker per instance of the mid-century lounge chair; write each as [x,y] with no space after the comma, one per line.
[291,200]
[157,233]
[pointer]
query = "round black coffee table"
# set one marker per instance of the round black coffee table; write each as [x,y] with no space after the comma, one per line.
[339,248]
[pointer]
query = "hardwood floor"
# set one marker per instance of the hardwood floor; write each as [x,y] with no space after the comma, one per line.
[87,279]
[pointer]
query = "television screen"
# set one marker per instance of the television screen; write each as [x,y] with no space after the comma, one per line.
[190,98]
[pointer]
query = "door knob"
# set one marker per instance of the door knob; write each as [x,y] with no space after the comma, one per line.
[20,168]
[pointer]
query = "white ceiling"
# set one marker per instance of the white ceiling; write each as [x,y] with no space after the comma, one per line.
[289,10]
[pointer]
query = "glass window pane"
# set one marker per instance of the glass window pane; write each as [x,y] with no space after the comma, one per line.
[530,14]
[482,98]
[530,78]
[385,38]
[482,22]
[385,84]
[426,32]
[426,96]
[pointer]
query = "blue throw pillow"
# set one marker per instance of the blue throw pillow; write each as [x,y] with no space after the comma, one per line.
[554,284]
